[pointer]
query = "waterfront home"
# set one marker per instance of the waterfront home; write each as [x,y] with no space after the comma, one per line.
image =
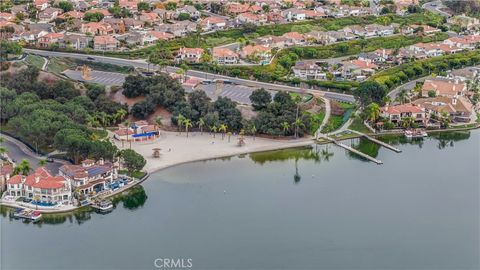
[396,113]
[224,56]
[41,185]
[460,109]
[308,70]
[105,43]
[90,176]
[138,131]
[189,55]
[443,87]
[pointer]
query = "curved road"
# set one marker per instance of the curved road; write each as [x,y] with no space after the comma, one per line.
[143,64]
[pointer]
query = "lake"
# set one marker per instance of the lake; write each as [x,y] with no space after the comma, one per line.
[310,208]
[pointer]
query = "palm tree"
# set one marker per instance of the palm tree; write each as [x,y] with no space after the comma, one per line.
[180,119]
[23,168]
[407,122]
[92,121]
[285,127]
[120,114]
[213,129]
[298,123]
[42,162]
[373,112]
[188,124]
[201,124]
[103,118]
[229,134]
[253,130]
[223,128]
[402,96]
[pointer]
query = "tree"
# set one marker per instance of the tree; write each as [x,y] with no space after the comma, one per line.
[9,48]
[42,162]
[201,124]
[223,128]
[93,17]
[65,6]
[298,124]
[432,93]
[132,160]
[23,168]
[286,127]
[119,115]
[213,129]
[170,6]
[372,112]
[143,6]
[188,124]
[370,91]
[183,16]
[260,98]
[158,121]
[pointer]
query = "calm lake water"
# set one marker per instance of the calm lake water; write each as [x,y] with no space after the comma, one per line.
[318,208]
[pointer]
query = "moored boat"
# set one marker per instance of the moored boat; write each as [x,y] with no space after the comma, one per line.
[27,214]
[103,206]
[415,133]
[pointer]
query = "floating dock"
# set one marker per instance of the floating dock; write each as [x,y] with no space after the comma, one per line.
[353,150]
[386,145]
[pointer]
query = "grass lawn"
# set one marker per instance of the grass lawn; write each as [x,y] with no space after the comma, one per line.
[56,65]
[334,123]
[317,120]
[35,60]
[100,133]
[358,125]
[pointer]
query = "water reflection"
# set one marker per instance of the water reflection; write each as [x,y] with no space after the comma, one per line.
[131,199]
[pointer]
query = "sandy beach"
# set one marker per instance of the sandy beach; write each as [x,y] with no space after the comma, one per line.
[177,149]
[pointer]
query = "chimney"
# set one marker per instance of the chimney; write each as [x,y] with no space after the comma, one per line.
[37,178]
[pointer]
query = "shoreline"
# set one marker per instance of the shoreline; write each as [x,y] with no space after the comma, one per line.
[263,145]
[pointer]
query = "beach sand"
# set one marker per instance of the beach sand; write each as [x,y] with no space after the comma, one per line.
[177,149]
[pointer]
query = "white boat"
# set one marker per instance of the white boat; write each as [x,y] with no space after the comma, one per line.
[103,206]
[27,214]
[416,133]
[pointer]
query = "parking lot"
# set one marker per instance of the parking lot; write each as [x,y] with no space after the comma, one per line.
[238,93]
[100,77]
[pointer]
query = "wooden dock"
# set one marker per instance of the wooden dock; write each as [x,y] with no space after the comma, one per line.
[386,145]
[353,150]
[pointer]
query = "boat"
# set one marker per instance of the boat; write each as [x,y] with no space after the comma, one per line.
[27,214]
[103,206]
[415,133]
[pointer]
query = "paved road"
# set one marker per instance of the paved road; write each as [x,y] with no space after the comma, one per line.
[18,151]
[435,6]
[143,64]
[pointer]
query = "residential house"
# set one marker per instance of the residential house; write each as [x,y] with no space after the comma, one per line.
[256,19]
[161,35]
[72,14]
[466,22]
[41,4]
[104,12]
[308,70]
[294,38]
[377,56]
[224,56]
[358,69]
[458,108]
[464,42]
[178,29]
[105,43]
[49,14]
[49,39]
[427,29]
[5,16]
[75,41]
[190,10]
[149,17]
[256,53]
[213,23]
[395,113]
[189,55]
[132,24]
[97,28]
[294,14]
[323,38]
[19,9]
[271,41]
[118,25]
[41,185]
[315,14]
[131,5]
[443,87]
[90,176]
[236,8]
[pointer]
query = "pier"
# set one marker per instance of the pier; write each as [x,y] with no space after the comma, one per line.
[353,150]
[386,145]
